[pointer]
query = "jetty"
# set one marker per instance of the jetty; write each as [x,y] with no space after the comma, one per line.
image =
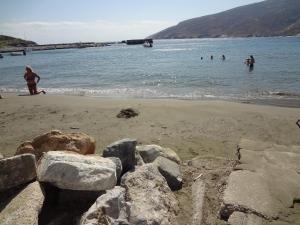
[138,41]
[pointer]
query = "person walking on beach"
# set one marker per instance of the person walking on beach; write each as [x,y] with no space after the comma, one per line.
[30,77]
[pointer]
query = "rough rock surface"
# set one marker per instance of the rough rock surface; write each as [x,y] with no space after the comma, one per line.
[56,140]
[109,208]
[125,151]
[267,182]
[239,218]
[170,171]
[17,170]
[198,194]
[150,152]
[24,208]
[1,156]
[150,199]
[73,171]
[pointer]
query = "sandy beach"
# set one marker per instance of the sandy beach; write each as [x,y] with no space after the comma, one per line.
[191,128]
[208,131]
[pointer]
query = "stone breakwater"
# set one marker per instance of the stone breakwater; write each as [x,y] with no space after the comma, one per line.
[58,179]
[51,174]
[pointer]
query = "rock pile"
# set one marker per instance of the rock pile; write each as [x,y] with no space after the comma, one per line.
[128,184]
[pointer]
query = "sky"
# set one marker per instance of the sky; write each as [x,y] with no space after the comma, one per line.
[61,21]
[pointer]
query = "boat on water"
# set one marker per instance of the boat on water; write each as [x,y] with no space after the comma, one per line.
[148,44]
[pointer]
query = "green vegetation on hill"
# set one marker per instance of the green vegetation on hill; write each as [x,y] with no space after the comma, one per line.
[266,18]
[7,41]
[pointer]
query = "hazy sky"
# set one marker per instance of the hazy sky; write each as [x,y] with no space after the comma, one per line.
[55,21]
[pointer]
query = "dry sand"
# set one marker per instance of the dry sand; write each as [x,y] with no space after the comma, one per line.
[191,128]
[209,130]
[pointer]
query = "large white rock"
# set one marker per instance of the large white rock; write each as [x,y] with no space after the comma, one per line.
[109,208]
[24,208]
[77,172]
[150,200]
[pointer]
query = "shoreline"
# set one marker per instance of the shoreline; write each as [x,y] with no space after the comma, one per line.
[277,102]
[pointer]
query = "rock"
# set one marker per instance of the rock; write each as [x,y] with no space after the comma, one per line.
[17,170]
[170,171]
[239,218]
[150,152]
[125,151]
[73,171]
[149,198]
[118,163]
[1,156]
[109,208]
[128,113]
[56,140]
[198,194]
[266,181]
[139,159]
[1,97]
[24,208]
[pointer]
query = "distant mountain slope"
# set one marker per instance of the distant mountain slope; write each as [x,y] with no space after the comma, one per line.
[267,18]
[7,41]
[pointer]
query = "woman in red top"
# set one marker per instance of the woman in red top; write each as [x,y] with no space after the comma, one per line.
[30,76]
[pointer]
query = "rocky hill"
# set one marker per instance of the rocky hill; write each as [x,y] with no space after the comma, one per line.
[266,18]
[7,41]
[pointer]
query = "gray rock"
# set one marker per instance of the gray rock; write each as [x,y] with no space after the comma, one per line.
[198,194]
[149,198]
[150,152]
[125,151]
[239,218]
[1,156]
[118,163]
[24,208]
[170,171]
[73,171]
[110,209]
[267,181]
[17,170]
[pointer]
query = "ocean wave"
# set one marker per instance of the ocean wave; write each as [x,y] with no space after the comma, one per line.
[172,49]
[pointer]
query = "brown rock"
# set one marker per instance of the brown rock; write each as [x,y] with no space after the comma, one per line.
[56,140]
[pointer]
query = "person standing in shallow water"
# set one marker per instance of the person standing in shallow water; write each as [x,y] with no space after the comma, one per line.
[251,63]
[30,77]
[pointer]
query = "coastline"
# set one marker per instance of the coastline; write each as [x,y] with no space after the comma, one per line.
[191,128]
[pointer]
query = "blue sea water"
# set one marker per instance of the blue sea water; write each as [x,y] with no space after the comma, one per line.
[171,69]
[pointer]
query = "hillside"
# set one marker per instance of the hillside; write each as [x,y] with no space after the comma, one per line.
[7,41]
[267,18]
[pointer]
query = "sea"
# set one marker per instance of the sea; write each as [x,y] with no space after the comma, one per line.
[173,69]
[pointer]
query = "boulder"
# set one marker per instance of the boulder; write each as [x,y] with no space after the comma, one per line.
[73,171]
[150,152]
[17,170]
[125,151]
[150,200]
[24,208]
[170,171]
[109,209]
[128,113]
[56,140]
[1,156]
